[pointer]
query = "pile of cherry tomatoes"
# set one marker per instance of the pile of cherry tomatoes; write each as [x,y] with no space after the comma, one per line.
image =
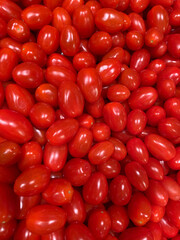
[89,119]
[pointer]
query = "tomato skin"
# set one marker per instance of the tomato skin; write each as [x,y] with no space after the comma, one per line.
[3,28]
[158,17]
[69,40]
[154,169]
[101,132]
[137,233]
[32,52]
[80,145]
[130,78]
[134,40]
[90,84]
[95,109]
[173,45]
[15,127]
[137,175]
[23,233]
[118,93]
[84,60]
[57,235]
[174,18]
[154,115]
[7,205]
[19,99]
[100,152]
[143,98]
[9,9]
[95,189]
[70,99]
[139,6]
[52,4]
[32,181]
[23,204]
[12,44]
[9,174]
[140,59]
[120,151]
[28,75]
[99,223]
[115,116]
[153,37]
[44,219]
[160,147]
[36,16]
[109,70]
[172,211]
[7,229]
[139,209]
[157,65]
[58,192]
[75,209]
[48,39]
[169,128]
[62,131]
[100,43]
[8,60]
[120,190]
[77,171]
[171,107]
[156,193]
[166,88]
[155,230]
[60,18]
[76,231]
[83,21]
[109,20]
[111,168]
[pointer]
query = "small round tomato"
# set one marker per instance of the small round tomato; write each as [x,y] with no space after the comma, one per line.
[169,230]
[140,60]
[100,43]
[172,188]
[172,107]
[137,23]
[58,192]
[136,121]
[137,233]
[52,4]
[76,231]
[23,233]
[130,78]
[118,93]
[134,40]
[77,171]
[36,16]
[101,132]
[44,219]
[111,168]
[139,209]
[84,60]
[153,37]
[174,163]
[173,45]
[154,169]
[71,5]
[154,115]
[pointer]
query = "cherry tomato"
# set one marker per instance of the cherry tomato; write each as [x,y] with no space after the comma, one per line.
[95,189]
[153,37]
[137,233]
[23,233]
[32,181]
[130,78]
[9,9]
[36,16]
[76,231]
[111,168]
[171,107]
[120,190]
[12,44]
[157,212]
[154,115]
[160,147]
[109,20]
[140,60]
[137,23]
[48,39]
[99,223]
[60,18]
[52,4]
[118,93]
[169,230]
[58,192]
[101,132]
[77,171]
[172,188]
[69,40]
[8,60]
[174,162]
[134,40]
[62,131]
[169,128]
[139,209]
[71,5]
[80,145]
[84,60]
[173,45]
[44,219]
[7,229]
[172,211]
[155,230]
[136,121]
[100,43]
[154,169]
[14,126]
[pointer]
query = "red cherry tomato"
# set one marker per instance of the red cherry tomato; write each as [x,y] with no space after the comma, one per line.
[23,233]
[173,45]
[137,233]
[71,5]
[9,9]
[44,219]
[76,231]
[60,18]
[84,60]
[154,169]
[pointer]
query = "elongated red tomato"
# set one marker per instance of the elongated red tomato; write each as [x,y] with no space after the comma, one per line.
[44,219]
[90,84]
[62,131]
[70,99]
[14,126]
[160,147]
